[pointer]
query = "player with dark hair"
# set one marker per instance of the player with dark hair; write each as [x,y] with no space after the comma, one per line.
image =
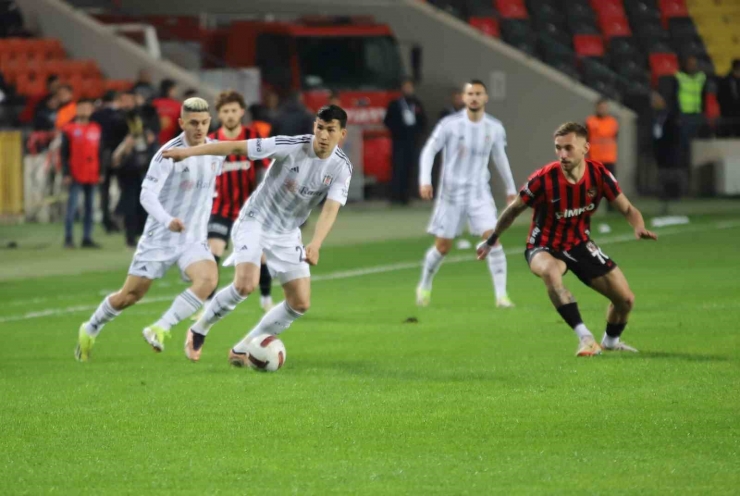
[564,196]
[306,170]
[237,181]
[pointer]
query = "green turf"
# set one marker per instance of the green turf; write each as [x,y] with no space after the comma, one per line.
[470,400]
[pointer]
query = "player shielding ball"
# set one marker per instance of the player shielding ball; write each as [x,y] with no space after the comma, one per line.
[306,169]
[178,199]
[564,196]
[470,139]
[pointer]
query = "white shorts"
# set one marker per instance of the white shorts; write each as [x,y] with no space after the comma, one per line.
[448,219]
[284,252]
[143,266]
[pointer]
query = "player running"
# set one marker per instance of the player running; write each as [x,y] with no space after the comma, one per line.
[470,138]
[237,181]
[564,196]
[306,169]
[178,199]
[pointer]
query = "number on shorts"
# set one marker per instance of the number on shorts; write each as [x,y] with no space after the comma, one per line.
[301,253]
[596,252]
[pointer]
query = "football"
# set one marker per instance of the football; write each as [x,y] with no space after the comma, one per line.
[266,353]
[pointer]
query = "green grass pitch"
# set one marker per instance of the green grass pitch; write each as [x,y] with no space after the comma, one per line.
[469,400]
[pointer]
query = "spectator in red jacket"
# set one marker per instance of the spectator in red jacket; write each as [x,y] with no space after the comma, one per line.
[168,108]
[80,156]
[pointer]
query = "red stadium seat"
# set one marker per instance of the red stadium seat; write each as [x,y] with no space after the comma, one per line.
[588,45]
[511,9]
[614,26]
[711,107]
[672,8]
[662,64]
[608,7]
[487,25]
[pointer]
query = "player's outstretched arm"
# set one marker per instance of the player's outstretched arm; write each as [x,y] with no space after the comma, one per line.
[222,148]
[323,227]
[633,216]
[504,222]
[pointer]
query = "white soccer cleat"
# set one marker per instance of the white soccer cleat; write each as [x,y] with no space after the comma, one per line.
[423,296]
[505,302]
[155,336]
[620,346]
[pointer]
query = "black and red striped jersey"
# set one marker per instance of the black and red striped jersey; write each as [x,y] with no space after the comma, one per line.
[562,211]
[238,179]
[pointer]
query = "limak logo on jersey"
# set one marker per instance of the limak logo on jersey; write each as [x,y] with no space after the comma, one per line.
[574,212]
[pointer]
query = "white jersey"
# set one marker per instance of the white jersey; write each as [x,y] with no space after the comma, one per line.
[295,183]
[468,147]
[185,191]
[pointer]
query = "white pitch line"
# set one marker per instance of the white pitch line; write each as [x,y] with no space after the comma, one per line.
[378,269]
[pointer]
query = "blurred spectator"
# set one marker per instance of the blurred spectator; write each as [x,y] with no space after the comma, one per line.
[143,85]
[690,88]
[406,120]
[189,94]
[80,156]
[168,109]
[67,107]
[259,121]
[667,149]
[293,119]
[456,104]
[131,160]
[146,111]
[728,96]
[45,115]
[602,136]
[113,128]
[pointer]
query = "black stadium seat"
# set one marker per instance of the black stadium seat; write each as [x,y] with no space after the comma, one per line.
[518,33]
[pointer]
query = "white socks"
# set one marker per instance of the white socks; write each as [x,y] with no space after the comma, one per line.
[432,261]
[582,331]
[497,267]
[222,304]
[273,322]
[185,305]
[104,314]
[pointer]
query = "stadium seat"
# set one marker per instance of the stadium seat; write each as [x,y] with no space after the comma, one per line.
[608,8]
[682,27]
[555,33]
[487,25]
[518,33]
[92,88]
[614,26]
[588,45]
[452,7]
[584,27]
[547,13]
[672,8]
[511,9]
[662,64]
[624,48]
[558,55]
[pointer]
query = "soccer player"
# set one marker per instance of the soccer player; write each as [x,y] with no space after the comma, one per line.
[178,199]
[237,181]
[564,196]
[306,169]
[470,138]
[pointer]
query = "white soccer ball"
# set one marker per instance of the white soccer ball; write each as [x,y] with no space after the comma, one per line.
[266,353]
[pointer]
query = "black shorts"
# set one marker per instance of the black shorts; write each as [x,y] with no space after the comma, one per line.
[585,260]
[219,227]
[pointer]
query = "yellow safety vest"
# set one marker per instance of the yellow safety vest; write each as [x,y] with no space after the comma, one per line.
[689,92]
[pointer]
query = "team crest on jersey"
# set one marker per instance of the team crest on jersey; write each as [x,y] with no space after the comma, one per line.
[291,185]
[327,180]
[591,192]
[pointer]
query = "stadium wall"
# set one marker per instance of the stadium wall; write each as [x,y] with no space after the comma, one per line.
[529,97]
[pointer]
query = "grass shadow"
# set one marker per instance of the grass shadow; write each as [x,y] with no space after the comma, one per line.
[668,355]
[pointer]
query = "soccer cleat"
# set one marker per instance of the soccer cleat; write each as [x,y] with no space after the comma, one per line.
[504,302]
[238,359]
[588,347]
[620,346]
[266,303]
[85,343]
[423,296]
[156,336]
[193,350]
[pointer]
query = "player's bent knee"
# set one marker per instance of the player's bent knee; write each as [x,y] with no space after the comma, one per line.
[244,287]
[552,277]
[443,246]
[300,305]
[628,302]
